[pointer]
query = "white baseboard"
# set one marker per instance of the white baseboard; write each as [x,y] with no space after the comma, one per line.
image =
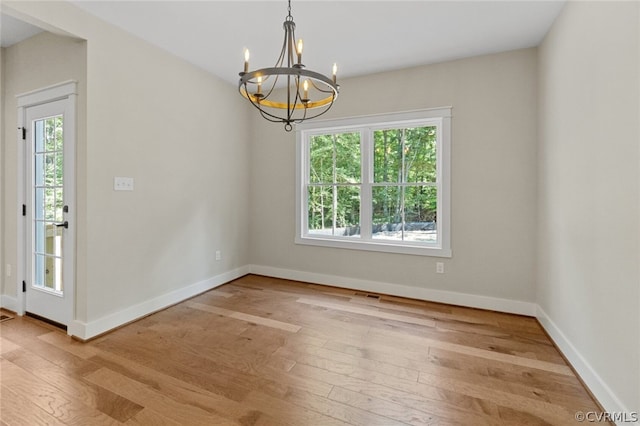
[600,390]
[442,296]
[8,302]
[94,328]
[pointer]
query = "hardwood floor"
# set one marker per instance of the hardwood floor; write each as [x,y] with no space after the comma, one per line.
[263,351]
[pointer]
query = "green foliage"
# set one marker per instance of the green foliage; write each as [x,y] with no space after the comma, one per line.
[404,156]
[334,159]
[404,177]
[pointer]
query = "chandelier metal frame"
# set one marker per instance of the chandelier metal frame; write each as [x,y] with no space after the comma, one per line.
[308,94]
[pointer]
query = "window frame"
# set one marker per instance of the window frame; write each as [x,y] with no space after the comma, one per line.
[366,125]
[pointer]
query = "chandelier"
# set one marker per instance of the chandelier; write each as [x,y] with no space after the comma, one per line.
[288,92]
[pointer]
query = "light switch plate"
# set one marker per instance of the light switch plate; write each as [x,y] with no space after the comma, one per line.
[122,183]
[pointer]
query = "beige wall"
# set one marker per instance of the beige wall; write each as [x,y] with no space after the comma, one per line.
[37,62]
[588,271]
[493,179]
[182,135]
[2,127]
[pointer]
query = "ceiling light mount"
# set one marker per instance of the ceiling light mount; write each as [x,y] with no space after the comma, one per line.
[288,92]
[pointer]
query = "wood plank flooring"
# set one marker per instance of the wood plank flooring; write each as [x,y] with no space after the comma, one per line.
[264,351]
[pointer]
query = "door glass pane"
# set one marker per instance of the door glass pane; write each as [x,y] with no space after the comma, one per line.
[38,129]
[38,205]
[39,236]
[39,269]
[58,205]
[48,203]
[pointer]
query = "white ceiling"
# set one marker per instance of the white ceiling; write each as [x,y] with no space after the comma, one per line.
[362,37]
[13,31]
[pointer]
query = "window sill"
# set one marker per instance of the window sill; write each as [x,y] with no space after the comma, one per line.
[385,247]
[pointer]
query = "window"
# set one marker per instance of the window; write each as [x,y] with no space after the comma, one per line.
[376,183]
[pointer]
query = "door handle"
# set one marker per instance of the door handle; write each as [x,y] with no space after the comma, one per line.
[64,224]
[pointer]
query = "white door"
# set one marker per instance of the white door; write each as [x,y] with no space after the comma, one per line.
[49,213]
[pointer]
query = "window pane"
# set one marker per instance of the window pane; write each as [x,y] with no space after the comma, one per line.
[420,154]
[320,210]
[387,155]
[347,157]
[387,214]
[348,211]
[321,159]
[339,216]
[335,158]
[420,213]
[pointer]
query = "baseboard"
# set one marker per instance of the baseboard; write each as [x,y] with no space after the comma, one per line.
[9,303]
[88,330]
[598,387]
[442,296]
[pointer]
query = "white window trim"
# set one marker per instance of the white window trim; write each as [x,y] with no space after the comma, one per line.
[439,116]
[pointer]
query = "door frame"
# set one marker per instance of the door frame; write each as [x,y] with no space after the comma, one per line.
[67,90]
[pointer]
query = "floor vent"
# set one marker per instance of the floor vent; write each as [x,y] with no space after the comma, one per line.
[369,295]
[4,318]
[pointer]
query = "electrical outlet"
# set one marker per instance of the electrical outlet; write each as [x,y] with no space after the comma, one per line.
[122,184]
[439,267]
[218,255]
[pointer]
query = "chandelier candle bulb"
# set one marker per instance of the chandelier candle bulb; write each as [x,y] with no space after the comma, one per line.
[335,72]
[299,50]
[305,86]
[246,60]
[259,86]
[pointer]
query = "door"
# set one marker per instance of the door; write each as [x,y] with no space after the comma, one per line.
[49,201]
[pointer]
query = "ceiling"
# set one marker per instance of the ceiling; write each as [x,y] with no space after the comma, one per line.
[362,37]
[13,30]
